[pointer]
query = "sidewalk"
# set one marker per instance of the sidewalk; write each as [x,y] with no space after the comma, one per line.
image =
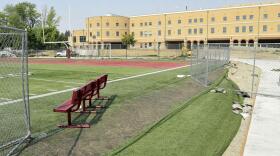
[264,133]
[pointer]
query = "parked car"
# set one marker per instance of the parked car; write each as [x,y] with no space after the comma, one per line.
[61,54]
[5,53]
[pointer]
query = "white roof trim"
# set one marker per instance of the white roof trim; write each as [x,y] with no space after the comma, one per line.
[202,10]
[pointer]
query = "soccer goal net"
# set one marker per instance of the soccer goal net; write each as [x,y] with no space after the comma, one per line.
[93,51]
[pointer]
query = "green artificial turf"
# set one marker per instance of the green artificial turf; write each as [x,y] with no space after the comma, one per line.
[204,128]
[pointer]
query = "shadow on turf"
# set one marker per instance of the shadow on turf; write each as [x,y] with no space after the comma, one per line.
[81,118]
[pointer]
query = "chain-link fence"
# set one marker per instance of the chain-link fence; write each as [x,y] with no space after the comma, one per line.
[14,107]
[206,59]
[266,57]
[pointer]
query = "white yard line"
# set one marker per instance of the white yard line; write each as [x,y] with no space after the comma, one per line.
[5,99]
[112,81]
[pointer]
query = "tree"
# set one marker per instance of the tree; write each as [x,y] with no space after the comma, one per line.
[50,18]
[25,16]
[22,15]
[128,40]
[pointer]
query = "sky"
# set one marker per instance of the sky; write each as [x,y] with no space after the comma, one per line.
[81,9]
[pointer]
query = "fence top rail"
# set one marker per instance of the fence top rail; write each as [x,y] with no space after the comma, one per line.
[11,28]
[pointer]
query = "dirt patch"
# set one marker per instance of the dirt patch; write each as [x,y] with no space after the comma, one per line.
[119,124]
[114,63]
[241,75]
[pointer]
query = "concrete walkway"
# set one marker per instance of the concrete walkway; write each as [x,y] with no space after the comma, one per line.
[264,133]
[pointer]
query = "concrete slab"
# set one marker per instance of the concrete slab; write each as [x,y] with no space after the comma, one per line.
[264,133]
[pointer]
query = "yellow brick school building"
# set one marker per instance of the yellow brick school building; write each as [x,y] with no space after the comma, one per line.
[242,25]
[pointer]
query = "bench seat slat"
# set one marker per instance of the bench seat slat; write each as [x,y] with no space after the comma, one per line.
[65,107]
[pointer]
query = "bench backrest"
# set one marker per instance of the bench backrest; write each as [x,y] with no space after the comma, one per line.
[102,81]
[90,89]
[76,99]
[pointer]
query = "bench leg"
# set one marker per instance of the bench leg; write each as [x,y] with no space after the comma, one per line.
[69,121]
[99,97]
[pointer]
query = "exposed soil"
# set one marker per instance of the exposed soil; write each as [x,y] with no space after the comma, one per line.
[114,63]
[116,126]
[242,76]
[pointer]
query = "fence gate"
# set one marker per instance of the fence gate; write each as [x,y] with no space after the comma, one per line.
[14,102]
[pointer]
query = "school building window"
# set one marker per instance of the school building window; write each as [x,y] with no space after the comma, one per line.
[244,17]
[251,29]
[265,16]
[224,30]
[169,32]
[97,24]
[213,19]
[141,24]
[237,29]
[195,20]
[97,33]
[159,32]
[201,20]
[179,21]
[117,33]
[107,24]
[107,33]
[179,31]
[264,28]
[243,29]
[82,38]
[190,20]
[237,18]
[169,22]
[190,31]
[195,31]
[224,18]
[251,17]
[201,30]
[212,30]
[117,24]
[150,23]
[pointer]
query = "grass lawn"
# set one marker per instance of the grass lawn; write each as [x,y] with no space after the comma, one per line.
[205,127]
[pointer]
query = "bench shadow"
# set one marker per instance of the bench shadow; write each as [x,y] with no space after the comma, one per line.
[79,119]
[93,121]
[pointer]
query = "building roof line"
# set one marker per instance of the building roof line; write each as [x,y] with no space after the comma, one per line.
[214,9]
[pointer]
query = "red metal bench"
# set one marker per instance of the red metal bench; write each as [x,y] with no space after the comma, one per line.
[70,106]
[79,97]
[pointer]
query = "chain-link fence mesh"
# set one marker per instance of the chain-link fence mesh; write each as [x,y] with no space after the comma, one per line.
[115,51]
[206,59]
[14,108]
[92,51]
